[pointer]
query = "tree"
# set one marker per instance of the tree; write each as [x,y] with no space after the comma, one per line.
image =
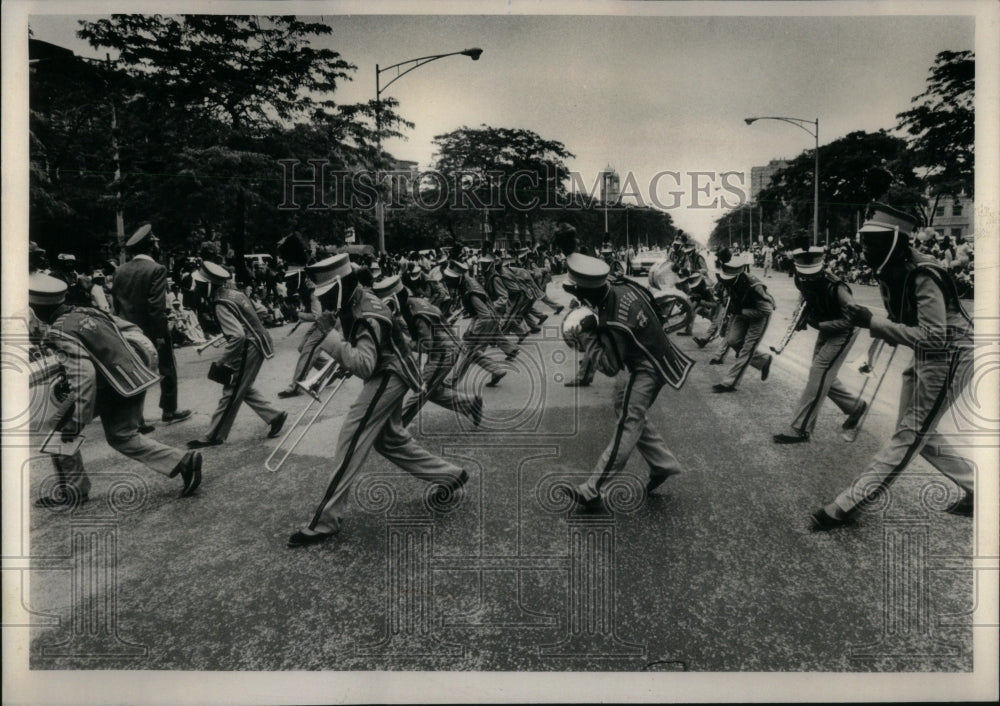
[513,172]
[214,101]
[941,127]
[854,170]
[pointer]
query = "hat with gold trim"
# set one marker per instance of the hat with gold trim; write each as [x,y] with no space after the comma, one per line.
[45,290]
[387,287]
[329,269]
[144,233]
[587,272]
[455,269]
[808,261]
[214,273]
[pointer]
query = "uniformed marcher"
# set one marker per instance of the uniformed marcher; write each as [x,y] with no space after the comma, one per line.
[620,330]
[109,380]
[925,314]
[372,348]
[749,312]
[827,300]
[248,344]
[430,335]
[140,296]
[484,331]
[322,322]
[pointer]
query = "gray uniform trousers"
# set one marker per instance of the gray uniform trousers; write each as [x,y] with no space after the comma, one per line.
[243,391]
[374,421]
[829,354]
[435,371]
[120,417]
[928,390]
[308,350]
[743,336]
[634,394]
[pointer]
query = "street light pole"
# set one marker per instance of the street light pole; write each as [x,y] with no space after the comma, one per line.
[473,54]
[801,123]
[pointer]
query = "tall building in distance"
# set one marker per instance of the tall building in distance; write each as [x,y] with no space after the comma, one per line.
[610,185]
[760,177]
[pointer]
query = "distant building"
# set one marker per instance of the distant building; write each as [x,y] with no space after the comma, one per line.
[760,177]
[953,216]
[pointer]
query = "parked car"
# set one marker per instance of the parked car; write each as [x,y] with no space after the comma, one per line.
[645,261]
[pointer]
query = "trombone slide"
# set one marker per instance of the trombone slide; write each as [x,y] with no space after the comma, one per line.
[211,343]
[874,356]
[291,430]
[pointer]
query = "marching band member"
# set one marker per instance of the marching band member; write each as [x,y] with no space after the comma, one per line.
[535,263]
[109,381]
[749,312]
[248,344]
[431,335]
[827,301]
[371,348]
[322,322]
[925,314]
[484,330]
[624,337]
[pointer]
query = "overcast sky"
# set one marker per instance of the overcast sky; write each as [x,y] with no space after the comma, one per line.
[643,94]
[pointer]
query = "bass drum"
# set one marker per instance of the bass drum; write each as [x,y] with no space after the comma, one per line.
[674,310]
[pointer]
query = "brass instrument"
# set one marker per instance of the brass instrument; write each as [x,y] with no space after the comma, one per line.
[313,386]
[211,343]
[792,328]
[866,367]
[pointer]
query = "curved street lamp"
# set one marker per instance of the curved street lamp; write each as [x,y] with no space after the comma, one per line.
[801,123]
[473,54]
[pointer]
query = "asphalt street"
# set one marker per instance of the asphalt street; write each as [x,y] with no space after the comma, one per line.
[715,571]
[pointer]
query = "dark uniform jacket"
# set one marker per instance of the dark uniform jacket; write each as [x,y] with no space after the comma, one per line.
[140,294]
[631,336]
[240,324]
[826,298]
[924,310]
[374,341]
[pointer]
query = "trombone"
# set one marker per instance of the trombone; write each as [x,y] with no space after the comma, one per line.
[211,343]
[792,328]
[313,386]
[866,366]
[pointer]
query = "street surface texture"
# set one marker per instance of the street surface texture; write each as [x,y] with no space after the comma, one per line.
[715,571]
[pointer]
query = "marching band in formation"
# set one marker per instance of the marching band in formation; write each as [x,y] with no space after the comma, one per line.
[377,329]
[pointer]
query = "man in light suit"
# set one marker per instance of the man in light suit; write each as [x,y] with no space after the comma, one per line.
[140,294]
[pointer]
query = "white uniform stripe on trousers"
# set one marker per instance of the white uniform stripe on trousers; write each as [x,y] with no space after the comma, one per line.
[332,488]
[921,433]
[622,418]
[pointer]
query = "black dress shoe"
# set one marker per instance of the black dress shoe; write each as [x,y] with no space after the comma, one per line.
[65,499]
[854,417]
[576,383]
[289,392]
[495,380]
[190,470]
[176,416]
[582,504]
[542,319]
[276,425]
[719,387]
[766,368]
[700,342]
[301,539]
[963,508]
[203,443]
[558,310]
[821,521]
[790,438]
[715,361]
[146,428]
